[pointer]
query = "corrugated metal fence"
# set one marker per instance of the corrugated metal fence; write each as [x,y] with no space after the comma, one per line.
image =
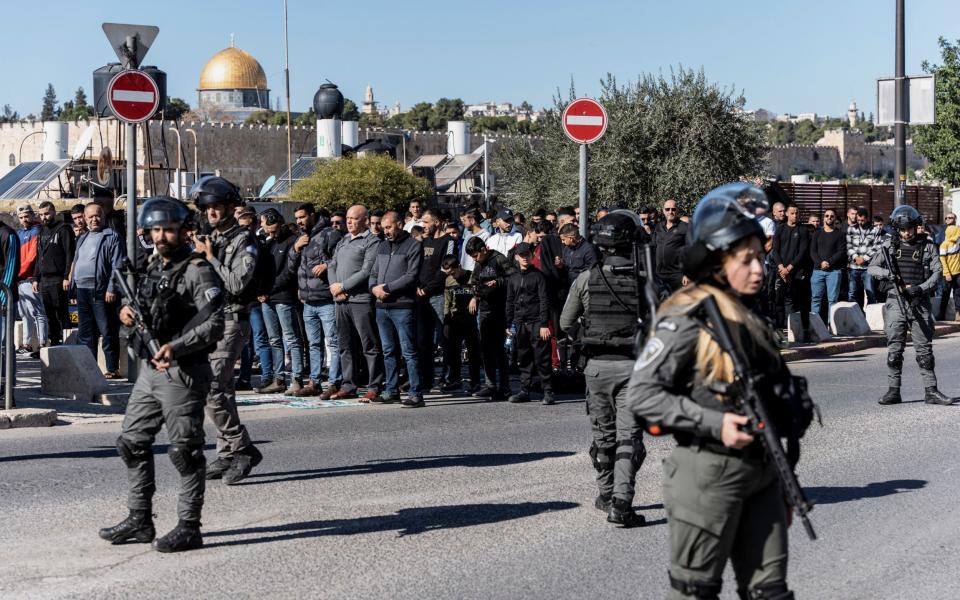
[814,198]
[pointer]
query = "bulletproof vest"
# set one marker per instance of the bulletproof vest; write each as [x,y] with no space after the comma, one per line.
[611,321]
[165,311]
[911,259]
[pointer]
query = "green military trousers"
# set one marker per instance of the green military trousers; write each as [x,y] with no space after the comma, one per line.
[723,507]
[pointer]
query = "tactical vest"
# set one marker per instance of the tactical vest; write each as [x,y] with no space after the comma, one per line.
[610,324]
[912,260]
[166,312]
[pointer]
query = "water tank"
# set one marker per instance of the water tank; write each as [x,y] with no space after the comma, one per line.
[458,137]
[103,75]
[328,102]
[55,140]
[350,135]
[328,138]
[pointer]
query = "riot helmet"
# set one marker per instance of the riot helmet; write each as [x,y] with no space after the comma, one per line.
[617,232]
[212,189]
[905,217]
[726,215]
[164,211]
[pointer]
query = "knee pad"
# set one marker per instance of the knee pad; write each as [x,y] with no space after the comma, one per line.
[603,459]
[926,361]
[770,591]
[186,458]
[132,454]
[632,450]
[701,590]
[895,360]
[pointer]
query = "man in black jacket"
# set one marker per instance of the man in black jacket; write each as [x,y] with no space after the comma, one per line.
[670,238]
[393,282]
[51,276]
[528,311]
[791,257]
[828,253]
[579,255]
[430,285]
[489,279]
[314,250]
[280,305]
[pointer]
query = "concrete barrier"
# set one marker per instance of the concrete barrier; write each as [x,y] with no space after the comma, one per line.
[818,331]
[70,372]
[874,315]
[27,417]
[846,319]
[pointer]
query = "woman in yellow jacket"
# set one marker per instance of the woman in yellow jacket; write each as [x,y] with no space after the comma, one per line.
[950,259]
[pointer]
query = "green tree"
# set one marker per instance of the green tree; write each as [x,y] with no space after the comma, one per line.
[49,110]
[419,117]
[673,136]
[350,111]
[378,182]
[780,133]
[76,109]
[446,109]
[374,120]
[940,142]
[8,115]
[807,133]
[176,108]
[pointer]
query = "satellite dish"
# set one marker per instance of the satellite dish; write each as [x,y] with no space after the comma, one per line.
[105,167]
[267,185]
[83,142]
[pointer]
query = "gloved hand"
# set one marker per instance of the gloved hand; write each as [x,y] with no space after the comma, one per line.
[914,291]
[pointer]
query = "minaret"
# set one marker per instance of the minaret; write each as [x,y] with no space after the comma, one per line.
[852,114]
[369,105]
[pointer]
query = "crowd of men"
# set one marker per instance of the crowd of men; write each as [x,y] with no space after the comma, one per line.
[393,302]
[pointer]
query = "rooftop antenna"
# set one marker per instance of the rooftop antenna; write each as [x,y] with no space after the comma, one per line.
[233,40]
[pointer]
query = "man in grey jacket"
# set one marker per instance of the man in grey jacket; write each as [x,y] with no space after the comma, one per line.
[349,276]
[393,282]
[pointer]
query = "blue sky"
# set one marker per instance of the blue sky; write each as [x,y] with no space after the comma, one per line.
[787,55]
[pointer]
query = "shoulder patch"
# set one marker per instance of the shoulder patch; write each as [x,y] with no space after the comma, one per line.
[652,349]
[667,324]
[211,294]
[251,250]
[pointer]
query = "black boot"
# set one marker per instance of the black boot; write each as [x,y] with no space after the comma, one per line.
[602,503]
[243,463]
[521,396]
[137,527]
[621,513]
[891,397]
[217,468]
[932,395]
[185,536]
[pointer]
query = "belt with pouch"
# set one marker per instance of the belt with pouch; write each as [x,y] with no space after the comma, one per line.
[754,451]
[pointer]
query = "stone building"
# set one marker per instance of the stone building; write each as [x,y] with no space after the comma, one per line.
[232,86]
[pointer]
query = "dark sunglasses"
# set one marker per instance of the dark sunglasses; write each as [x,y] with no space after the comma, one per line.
[669,210]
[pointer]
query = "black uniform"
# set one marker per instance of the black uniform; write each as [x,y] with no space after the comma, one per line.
[528,308]
[491,306]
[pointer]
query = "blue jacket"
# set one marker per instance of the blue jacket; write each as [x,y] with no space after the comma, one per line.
[110,256]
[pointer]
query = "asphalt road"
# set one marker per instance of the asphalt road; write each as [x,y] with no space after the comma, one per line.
[472,500]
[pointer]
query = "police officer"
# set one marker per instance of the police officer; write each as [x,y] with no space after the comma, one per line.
[607,301]
[232,251]
[721,494]
[919,265]
[182,305]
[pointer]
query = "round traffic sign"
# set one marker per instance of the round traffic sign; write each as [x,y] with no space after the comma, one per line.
[584,120]
[133,96]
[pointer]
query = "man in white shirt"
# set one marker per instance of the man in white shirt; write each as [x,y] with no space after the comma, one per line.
[416,209]
[503,240]
[471,228]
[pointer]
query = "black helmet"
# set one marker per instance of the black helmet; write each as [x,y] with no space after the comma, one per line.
[723,217]
[163,211]
[616,232]
[212,189]
[905,217]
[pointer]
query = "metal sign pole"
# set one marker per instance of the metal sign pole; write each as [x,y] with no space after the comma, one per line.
[132,200]
[583,190]
[900,110]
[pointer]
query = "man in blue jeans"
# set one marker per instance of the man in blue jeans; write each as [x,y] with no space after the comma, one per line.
[99,251]
[828,251]
[393,282]
[862,244]
[315,248]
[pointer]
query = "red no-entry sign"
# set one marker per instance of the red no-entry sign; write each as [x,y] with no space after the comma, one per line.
[133,96]
[584,121]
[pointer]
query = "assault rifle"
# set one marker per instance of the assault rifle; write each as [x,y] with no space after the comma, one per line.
[146,338]
[759,424]
[907,307]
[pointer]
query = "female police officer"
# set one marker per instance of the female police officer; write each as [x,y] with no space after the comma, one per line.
[722,497]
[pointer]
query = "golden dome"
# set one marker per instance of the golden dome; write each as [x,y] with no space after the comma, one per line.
[232,69]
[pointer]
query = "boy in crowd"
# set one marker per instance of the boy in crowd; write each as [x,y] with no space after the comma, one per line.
[528,310]
[459,326]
